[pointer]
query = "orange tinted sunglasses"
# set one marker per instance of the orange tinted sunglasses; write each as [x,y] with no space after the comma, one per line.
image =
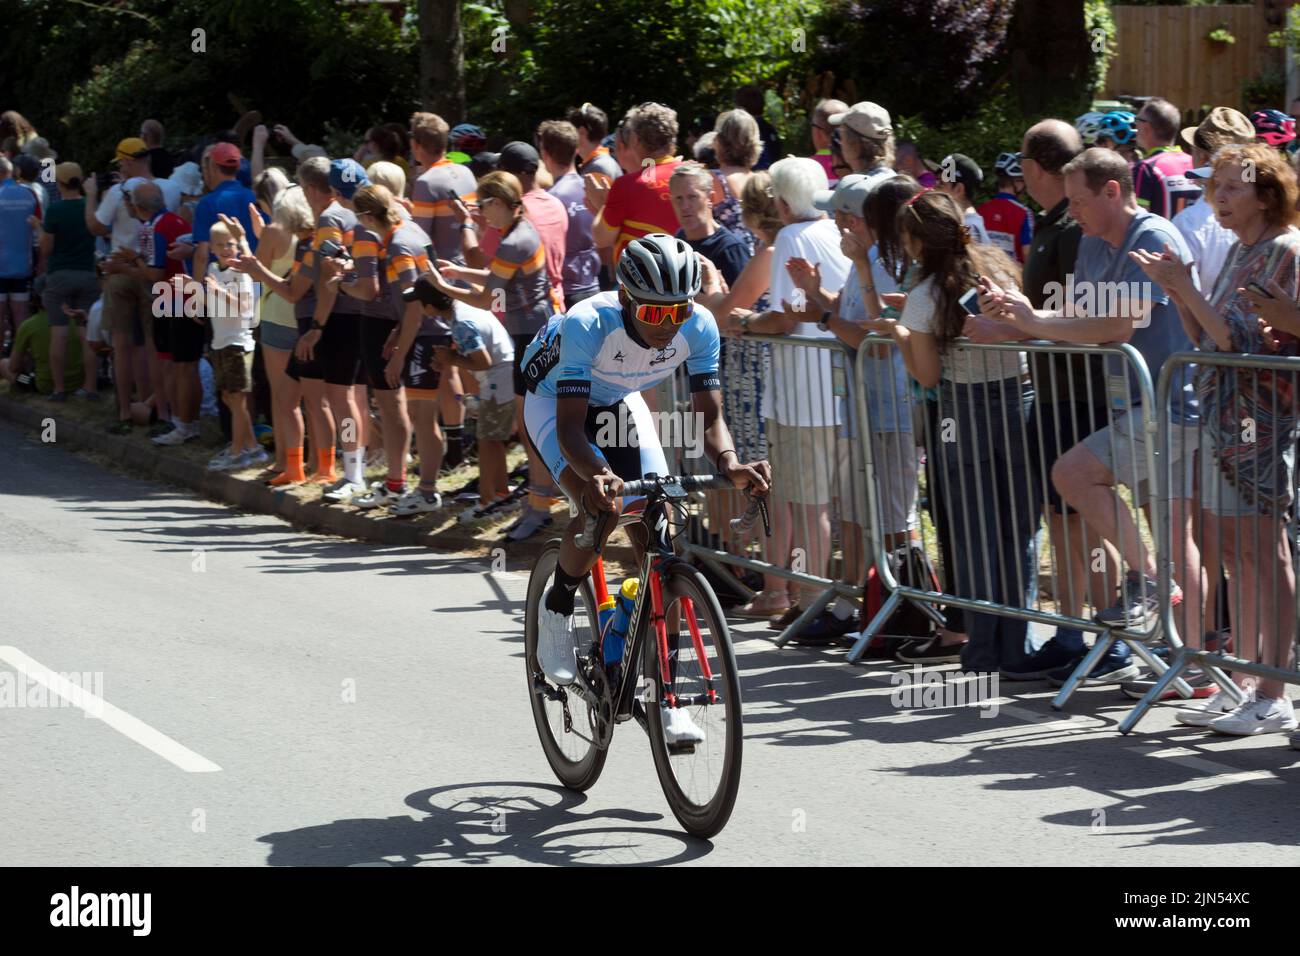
[655,313]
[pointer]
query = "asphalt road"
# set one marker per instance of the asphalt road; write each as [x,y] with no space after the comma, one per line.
[287,699]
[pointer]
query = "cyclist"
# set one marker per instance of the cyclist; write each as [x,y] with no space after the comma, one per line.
[583,373]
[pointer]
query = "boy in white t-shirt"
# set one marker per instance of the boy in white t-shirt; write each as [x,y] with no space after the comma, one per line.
[230,303]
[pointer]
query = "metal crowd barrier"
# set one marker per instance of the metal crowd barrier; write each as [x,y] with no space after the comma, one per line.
[1248,533]
[788,399]
[987,483]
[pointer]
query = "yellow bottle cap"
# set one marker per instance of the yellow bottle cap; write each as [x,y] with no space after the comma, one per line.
[631,587]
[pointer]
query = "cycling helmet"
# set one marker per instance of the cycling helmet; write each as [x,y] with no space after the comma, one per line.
[1273,127]
[1117,126]
[659,268]
[1008,164]
[1089,125]
[467,138]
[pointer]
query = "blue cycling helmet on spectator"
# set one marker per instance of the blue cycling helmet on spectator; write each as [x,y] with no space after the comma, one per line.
[1117,126]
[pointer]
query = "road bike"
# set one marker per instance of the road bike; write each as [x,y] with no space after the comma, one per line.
[677,654]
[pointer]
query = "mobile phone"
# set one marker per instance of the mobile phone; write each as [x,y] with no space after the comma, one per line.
[1259,290]
[970,301]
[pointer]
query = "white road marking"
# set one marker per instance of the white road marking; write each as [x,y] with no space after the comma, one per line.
[95,706]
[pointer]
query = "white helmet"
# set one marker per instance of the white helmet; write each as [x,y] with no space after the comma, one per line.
[1089,127]
[659,268]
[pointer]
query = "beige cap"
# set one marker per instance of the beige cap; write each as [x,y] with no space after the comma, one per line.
[865,119]
[67,172]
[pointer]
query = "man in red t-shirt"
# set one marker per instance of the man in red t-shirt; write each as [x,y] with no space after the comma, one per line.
[544,211]
[638,204]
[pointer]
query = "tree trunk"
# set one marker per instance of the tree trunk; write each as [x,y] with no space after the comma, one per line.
[442,60]
[1050,54]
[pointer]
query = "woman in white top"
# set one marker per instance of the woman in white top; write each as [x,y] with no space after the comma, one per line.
[984,406]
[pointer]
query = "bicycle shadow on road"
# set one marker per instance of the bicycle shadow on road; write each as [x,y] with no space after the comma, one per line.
[505,822]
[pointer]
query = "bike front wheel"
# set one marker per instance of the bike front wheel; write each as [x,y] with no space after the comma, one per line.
[699,779]
[569,745]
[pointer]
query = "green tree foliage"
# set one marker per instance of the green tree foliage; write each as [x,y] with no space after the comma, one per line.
[690,54]
[956,51]
[86,73]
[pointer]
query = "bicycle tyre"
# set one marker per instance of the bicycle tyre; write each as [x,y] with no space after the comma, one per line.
[702,820]
[576,774]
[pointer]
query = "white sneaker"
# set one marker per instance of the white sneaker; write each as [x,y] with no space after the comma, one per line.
[529,524]
[344,490]
[680,727]
[252,456]
[223,460]
[1264,715]
[177,436]
[378,496]
[414,502]
[1201,713]
[556,652]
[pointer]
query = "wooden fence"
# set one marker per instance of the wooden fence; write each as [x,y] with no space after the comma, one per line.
[1163,51]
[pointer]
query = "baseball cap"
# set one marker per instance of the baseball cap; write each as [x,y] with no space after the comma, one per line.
[518,157]
[225,155]
[866,119]
[965,170]
[133,147]
[483,163]
[848,195]
[347,176]
[1222,125]
[1200,172]
[67,172]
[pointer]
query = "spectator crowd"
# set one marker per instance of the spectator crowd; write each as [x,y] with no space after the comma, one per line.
[342,312]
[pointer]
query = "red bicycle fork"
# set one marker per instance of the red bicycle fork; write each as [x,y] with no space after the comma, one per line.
[660,623]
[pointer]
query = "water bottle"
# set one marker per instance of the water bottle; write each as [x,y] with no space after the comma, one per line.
[616,636]
[605,613]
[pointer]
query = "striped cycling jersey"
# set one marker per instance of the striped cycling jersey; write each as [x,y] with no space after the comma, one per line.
[589,351]
[433,208]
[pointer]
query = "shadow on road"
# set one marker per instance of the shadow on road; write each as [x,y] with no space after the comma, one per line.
[504,822]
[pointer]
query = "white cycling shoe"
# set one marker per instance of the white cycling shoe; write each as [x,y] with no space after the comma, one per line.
[556,652]
[680,727]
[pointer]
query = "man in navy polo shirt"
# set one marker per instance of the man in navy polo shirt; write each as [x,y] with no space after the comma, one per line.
[226,197]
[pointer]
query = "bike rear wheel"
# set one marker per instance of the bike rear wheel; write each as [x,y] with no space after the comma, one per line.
[572,753]
[701,782]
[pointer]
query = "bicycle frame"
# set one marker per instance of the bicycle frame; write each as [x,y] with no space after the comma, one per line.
[659,556]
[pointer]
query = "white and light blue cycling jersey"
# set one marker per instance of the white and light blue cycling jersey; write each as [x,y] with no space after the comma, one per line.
[588,352]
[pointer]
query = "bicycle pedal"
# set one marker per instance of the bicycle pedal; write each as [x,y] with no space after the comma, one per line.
[675,750]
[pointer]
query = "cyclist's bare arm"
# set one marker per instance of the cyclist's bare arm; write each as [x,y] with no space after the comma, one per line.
[718,444]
